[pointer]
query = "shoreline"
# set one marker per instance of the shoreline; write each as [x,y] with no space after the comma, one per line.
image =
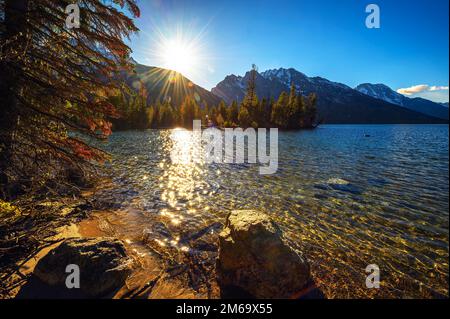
[158,272]
[150,277]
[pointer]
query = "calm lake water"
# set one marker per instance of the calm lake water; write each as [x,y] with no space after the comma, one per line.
[346,195]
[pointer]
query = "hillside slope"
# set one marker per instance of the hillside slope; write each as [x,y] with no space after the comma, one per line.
[166,85]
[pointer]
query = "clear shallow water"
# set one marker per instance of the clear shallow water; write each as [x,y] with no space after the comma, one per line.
[346,195]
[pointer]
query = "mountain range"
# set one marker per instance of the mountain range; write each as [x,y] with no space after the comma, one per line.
[385,93]
[336,102]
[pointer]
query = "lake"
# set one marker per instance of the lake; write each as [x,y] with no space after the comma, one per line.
[346,195]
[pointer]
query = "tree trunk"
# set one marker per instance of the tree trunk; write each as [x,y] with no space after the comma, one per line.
[15,29]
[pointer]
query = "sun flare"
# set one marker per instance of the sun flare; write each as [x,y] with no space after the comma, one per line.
[182,49]
[179,56]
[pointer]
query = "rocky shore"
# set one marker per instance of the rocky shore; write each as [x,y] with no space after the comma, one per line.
[257,261]
[248,258]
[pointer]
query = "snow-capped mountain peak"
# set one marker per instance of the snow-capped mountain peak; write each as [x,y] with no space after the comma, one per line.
[283,75]
[385,93]
[382,92]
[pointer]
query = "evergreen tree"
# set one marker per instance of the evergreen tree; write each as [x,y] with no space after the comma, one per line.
[292,110]
[260,116]
[292,95]
[187,112]
[244,117]
[223,110]
[220,120]
[268,111]
[233,113]
[150,116]
[279,112]
[311,110]
[54,80]
[156,115]
[299,102]
[166,116]
[213,114]
[250,98]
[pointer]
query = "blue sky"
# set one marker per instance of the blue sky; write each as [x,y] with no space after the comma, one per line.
[325,38]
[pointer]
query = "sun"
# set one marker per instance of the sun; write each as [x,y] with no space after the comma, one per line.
[180,48]
[179,55]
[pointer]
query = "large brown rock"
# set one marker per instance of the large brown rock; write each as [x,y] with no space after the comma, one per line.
[103,265]
[256,260]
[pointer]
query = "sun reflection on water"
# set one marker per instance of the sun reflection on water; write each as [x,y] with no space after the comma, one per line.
[383,202]
[183,180]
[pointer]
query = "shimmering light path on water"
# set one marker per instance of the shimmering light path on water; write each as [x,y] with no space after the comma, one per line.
[346,195]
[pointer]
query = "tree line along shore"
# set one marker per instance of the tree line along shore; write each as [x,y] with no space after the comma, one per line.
[291,110]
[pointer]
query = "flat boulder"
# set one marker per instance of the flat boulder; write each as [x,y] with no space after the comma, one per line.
[103,263]
[256,261]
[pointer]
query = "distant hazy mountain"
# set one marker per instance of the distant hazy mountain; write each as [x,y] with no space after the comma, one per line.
[445,104]
[162,84]
[336,103]
[385,93]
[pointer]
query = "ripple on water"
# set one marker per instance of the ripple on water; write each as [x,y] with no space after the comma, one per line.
[346,201]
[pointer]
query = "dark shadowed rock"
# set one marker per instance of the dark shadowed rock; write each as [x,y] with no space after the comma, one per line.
[78,177]
[255,259]
[103,264]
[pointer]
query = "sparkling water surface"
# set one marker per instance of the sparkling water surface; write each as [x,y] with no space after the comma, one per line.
[346,195]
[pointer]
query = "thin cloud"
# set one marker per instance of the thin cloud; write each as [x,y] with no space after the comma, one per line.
[435,93]
[414,89]
[439,88]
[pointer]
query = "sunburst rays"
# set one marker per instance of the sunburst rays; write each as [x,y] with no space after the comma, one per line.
[182,53]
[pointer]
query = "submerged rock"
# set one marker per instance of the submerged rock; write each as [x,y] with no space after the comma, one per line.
[255,260]
[103,263]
